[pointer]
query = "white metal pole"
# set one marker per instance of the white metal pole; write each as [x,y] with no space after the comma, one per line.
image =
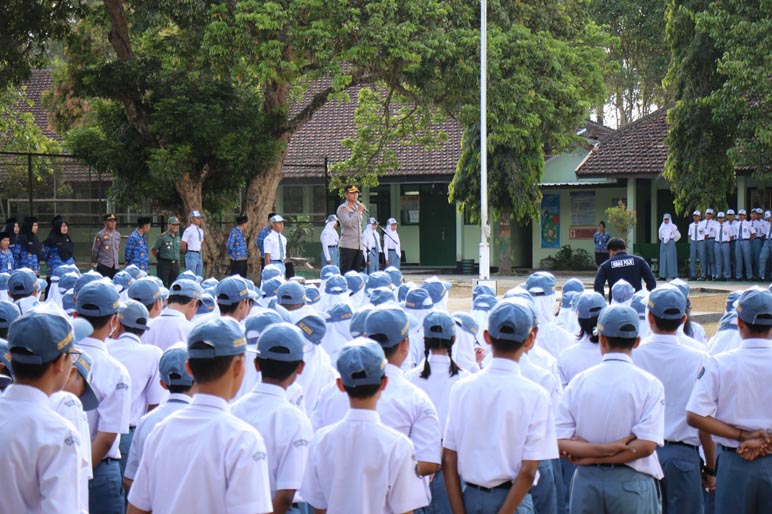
[484,227]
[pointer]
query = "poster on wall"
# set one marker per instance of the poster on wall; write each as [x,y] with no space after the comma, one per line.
[550,221]
[583,209]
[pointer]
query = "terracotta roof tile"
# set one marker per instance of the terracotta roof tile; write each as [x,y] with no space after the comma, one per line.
[636,150]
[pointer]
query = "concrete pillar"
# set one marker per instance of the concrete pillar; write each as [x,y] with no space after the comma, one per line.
[742,193]
[459,233]
[279,200]
[654,236]
[631,206]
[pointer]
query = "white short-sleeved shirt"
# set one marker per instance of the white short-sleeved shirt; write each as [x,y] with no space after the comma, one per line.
[271,246]
[203,459]
[286,430]
[733,388]
[402,406]
[613,400]
[545,379]
[677,367]
[577,358]
[329,237]
[252,377]
[553,338]
[166,330]
[112,386]
[724,341]
[498,419]
[361,465]
[437,385]
[146,425]
[69,407]
[193,236]
[41,459]
[141,361]
[317,374]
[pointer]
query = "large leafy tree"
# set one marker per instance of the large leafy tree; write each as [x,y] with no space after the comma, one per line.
[190,101]
[698,166]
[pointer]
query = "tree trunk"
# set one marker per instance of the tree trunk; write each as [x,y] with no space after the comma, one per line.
[190,191]
[259,200]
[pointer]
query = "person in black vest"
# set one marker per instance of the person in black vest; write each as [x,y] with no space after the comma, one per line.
[622,265]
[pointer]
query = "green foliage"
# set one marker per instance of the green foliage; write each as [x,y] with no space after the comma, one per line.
[622,219]
[698,165]
[300,229]
[28,30]
[575,260]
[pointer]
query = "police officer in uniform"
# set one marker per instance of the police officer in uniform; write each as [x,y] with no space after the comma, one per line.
[167,250]
[104,251]
[622,265]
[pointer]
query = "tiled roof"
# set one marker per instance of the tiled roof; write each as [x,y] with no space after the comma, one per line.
[320,137]
[39,83]
[635,150]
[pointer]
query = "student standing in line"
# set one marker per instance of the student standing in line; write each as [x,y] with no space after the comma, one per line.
[392,249]
[275,245]
[668,258]
[330,239]
[192,243]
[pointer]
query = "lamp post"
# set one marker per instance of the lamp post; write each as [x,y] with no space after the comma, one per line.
[485,251]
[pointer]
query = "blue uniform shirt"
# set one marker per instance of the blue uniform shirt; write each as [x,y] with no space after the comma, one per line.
[27,260]
[6,261]
[236,246]
[136,251]
[624,266]
[53,261]
[261,239]
[601,240]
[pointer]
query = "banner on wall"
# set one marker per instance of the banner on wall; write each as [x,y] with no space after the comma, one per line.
[550,221]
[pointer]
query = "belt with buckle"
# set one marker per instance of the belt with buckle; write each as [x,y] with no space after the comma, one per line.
[505,485]
[194,251]
[332,246]
[680,443]
[729,449]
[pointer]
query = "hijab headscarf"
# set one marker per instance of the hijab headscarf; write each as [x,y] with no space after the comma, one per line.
[61,242]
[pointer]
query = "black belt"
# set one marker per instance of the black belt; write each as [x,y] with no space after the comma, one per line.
[505,485]
[108,460]
[680,443]
[727,448]
[609,466]
[709,238]
[167,260]
[132,427]
[194,251]
[332,246]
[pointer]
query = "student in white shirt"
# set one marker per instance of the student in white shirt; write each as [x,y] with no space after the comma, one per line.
[731,401]
[586,352]
[174,325]
[275,245]
[677,367]
[141,361]
[203,459]
[435,376]
[372,245]
[359,464]
[498,426]
[97,302]
[610,421]
[329,239]
[551,337]
[147,292]
[192,242]
[284,427]
[41,464]
[254,326]
[392,249]
[179,383]
[668,258]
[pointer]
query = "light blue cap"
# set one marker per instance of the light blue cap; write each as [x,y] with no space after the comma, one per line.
[484,303]
[466,322]
[328,271]
[40,337]
[437,288]
[67,281]
[354,281]
[62,270]
[134,271]
[9,312]
[281,342]
[133,314]
[361,362]
[186,288]
[270,287]
[276,218]
[171,367]
[216,338]
[83,365]
[511,320]
[336,284]
[731,298]
[313,328]
[481,289]
[418,299]
[755,307]
[622,291]
[567,298]
[573,284]
[618,321]
[5,359]
[682,286]
[206,305]
[331,218]
[357,327]
[403,289]
[4,280]
[378,279]
[257,323]
[123,280]
[209,282]
[269,272]
[291,293]
[667,302]
[232,290]
[395,274]
[86,278]
[540,283]
[381,295]
[145,290]
[68,301]
[98,298]
[728,321]
[387,321]
[339,312]
[639,302]
[189,275]
[590,304]
[439,325]
[312,295]
[23,282]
